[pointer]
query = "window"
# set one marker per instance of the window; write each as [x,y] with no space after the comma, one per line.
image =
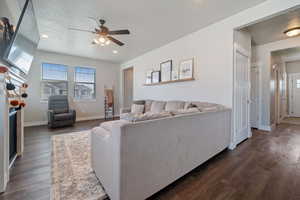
[84,83]
[54,80]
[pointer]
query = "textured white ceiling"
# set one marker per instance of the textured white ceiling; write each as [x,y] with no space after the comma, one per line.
[153,23]
[271,30]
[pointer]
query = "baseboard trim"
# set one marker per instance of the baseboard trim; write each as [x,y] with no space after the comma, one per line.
[264,128]
[35,123]
[80,119]
[267,128]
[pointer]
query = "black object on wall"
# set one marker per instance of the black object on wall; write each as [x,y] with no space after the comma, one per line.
[12,134]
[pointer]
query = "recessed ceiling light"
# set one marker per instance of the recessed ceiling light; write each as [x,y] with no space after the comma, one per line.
[292,32]
[45,36]
[115,51]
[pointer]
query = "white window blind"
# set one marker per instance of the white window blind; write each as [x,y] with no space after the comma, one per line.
[54,80]
[85,83]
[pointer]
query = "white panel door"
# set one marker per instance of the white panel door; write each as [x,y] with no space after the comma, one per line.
[242,93]
[295,95]
[254,96]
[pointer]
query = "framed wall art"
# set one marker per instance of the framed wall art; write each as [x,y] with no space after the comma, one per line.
[155,76]
[186,69]
[166,71]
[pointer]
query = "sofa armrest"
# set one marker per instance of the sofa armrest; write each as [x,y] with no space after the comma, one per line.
[125,110]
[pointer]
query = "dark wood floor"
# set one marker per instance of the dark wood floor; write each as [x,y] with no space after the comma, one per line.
[265,167]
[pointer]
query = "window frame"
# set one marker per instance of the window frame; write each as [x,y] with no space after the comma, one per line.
[76,82]
[43,81]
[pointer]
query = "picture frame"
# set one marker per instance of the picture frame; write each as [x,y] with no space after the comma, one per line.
[166,71]
[155,76]
[149,77]
[186,69]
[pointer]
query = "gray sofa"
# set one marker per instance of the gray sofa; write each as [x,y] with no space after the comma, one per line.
[166,147]
[59,114]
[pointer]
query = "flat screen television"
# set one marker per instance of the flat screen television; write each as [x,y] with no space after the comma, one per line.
[21,49]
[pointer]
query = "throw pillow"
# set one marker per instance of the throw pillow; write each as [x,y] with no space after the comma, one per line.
[148,105]
[157,106]
[137,109]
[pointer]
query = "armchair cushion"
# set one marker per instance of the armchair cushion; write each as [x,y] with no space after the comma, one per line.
[63,116]
[60,111]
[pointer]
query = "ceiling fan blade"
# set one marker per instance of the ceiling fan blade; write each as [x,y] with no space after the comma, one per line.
[115,41]
[119,32]
[76,29]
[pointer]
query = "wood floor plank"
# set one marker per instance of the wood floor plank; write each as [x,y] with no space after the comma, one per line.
[267,166]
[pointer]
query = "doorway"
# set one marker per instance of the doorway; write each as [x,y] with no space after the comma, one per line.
[127,87]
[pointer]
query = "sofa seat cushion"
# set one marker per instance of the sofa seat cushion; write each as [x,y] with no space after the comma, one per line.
[174,105]
[63,116]
[117,123]
[157,106]
[208,107]
[185,111]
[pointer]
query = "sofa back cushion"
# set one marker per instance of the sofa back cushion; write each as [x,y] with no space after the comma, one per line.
[174,105]
[157,106]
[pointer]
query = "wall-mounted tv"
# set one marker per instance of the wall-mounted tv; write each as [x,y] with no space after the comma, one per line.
[21,49]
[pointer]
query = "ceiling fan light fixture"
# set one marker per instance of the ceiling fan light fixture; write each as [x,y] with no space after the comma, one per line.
[96,41]
[292,32]
[107,42]
[102,39]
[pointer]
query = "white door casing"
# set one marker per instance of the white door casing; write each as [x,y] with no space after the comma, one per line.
[241,102]
[254,97]
[294,95]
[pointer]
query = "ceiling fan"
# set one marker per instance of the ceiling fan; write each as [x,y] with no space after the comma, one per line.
[103,34]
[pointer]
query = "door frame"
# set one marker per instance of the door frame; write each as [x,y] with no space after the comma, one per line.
[123,82]
[241,50]
[291,93]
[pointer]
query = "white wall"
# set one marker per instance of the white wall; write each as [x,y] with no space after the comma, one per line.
[106,74]
[212,48]
[293,67]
